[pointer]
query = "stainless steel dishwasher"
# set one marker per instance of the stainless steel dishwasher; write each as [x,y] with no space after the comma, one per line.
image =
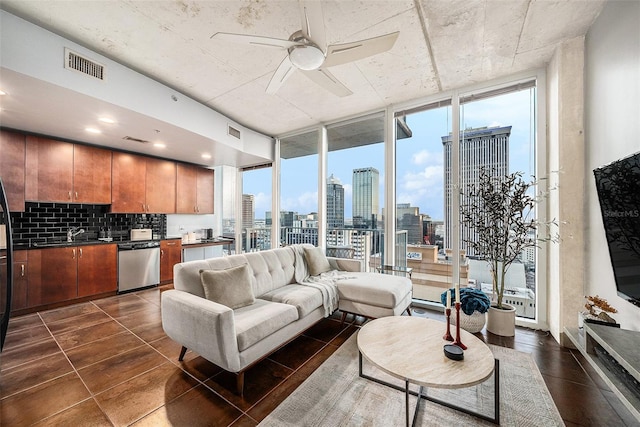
[138,265]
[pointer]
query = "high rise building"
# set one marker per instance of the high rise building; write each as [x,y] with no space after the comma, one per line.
[366,197]
[486,147]
[408,218]
[335,203]
[248,210]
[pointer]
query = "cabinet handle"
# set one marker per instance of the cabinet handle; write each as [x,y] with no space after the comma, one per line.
[76,195]
[22,270]
[161,253]
[171,243]
[80,252]
[69,195]
[74,253]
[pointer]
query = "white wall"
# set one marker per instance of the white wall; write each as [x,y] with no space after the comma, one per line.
[612,117]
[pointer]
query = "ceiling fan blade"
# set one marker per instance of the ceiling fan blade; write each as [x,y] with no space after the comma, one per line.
[328,81]
[313,23]
[348,52]
[255,40]
[282,73]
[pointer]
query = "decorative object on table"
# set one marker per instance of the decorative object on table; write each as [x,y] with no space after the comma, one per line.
[458,341]
[453,352]
[499,211]
[597,311]
[447,336]
[474,304]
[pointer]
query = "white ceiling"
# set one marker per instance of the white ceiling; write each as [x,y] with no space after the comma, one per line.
[442,45]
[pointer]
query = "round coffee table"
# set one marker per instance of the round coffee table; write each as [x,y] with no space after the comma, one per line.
[411,349]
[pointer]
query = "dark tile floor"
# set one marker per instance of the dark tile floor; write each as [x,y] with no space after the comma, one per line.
[108,362]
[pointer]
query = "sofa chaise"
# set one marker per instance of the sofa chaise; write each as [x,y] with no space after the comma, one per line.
[236,310]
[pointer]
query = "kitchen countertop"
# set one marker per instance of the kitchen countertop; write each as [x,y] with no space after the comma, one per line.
[207,242]
[64,244]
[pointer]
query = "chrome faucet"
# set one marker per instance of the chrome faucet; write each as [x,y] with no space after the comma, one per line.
[73,231]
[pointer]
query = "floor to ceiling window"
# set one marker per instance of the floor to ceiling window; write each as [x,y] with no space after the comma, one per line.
[298,189]
[355,191]
[256,203]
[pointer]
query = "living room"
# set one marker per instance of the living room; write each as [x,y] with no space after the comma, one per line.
[590,80]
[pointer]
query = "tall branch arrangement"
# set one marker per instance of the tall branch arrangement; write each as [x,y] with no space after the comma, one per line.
[501,210]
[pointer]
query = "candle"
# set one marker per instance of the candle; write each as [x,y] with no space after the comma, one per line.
[457,292]
[449,298]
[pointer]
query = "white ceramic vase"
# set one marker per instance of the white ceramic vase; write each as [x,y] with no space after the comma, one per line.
[502,321]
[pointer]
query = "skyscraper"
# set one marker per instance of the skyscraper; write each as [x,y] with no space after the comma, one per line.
[366,197]
[248,211]
[335,203]
[486,147]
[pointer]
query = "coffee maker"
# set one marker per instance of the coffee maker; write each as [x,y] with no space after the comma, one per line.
[208,233]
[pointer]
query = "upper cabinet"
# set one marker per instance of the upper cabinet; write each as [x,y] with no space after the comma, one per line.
[58,171]
[142,184]
[195,189]
[12,153]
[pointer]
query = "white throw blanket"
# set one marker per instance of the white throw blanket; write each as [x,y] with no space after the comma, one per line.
[325,283]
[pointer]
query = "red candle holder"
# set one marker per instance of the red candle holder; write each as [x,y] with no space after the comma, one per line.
[447,336]
[457,341]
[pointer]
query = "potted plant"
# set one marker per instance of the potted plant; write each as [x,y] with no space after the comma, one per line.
[473,305]
[500,210]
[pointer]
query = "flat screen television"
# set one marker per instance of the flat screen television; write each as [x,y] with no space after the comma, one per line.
[618,187]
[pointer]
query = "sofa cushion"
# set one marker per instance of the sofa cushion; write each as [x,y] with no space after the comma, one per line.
[380,290]
[230,286]
[261,319]
[304,298]
[317,261]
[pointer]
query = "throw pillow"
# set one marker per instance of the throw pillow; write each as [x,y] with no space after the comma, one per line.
[230,287]
[317,261]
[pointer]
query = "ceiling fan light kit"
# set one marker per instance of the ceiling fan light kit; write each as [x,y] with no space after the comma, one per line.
[305,51]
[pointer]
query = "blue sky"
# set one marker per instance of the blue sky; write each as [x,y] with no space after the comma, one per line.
[419,159]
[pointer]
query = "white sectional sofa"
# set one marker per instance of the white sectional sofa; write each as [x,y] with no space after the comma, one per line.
[236,310]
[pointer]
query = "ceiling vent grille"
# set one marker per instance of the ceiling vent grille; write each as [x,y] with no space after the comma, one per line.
[233,132]
[82,64]
[130,138]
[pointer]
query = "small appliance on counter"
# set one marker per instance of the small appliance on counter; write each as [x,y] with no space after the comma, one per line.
[141,234]
[208,233]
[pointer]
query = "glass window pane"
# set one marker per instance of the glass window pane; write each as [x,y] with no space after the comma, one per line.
[298,189]
[498,134]
[256,202]
[420,199]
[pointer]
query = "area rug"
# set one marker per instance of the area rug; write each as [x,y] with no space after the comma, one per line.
[334,395]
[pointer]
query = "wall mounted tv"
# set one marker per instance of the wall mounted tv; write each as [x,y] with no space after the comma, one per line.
[618,186]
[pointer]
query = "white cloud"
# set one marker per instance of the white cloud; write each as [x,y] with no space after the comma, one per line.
[423,157]
[303,203]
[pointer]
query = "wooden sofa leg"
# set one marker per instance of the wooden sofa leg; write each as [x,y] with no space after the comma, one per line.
[182,353]
[344,316]
[409,310]
[240,383]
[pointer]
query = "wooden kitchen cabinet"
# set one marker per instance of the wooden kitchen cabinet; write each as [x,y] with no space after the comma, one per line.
[160,190]
[12,170]
[48,170]
[58,171]
[19,294]
[52,275]
[97,269]
[194,189]
[91,175]
[142,185]
[170,255]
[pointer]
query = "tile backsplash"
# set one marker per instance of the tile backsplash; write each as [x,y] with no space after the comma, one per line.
[49,222]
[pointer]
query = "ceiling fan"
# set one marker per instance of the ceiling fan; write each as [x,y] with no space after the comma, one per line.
[307,50]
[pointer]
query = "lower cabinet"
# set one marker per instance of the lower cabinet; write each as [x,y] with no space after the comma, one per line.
[60,274]
[19,294]
[201,252]
[170,255]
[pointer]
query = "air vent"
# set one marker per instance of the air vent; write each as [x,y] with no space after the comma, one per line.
[77,62]
[130,138]
[233,132]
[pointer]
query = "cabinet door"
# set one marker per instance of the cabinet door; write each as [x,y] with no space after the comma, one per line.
[19,295]
[161,186]
[205,191]
[186,188]
[51,276]
[12,161]
[91,175]
[97,269]
[170,255]
[49,170]
[128,183]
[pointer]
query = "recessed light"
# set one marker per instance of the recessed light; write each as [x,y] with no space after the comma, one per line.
[107,120]
[206,156]
[159,145]
[93,130]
